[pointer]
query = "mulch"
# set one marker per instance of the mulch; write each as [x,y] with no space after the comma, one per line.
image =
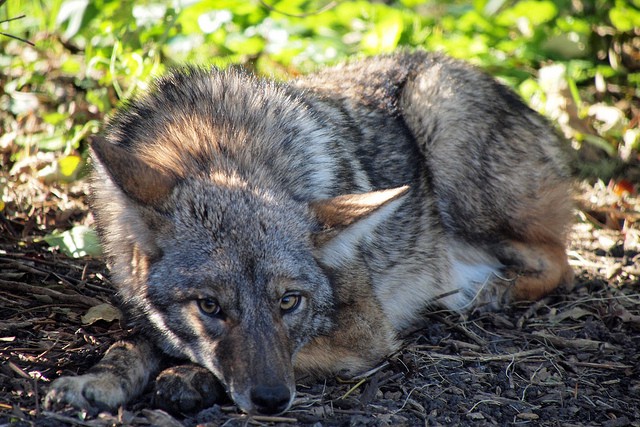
[571,359]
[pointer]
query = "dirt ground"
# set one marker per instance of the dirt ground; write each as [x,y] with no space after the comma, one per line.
[570,359]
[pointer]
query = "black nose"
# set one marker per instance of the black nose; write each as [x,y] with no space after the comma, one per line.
[270,399]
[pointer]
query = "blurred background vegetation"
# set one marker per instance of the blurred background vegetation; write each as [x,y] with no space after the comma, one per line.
[575,61]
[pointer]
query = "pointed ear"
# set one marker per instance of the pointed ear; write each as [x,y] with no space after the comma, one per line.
[349,218]
[135,177]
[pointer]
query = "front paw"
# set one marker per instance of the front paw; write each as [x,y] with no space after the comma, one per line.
[93,392]
[187,389]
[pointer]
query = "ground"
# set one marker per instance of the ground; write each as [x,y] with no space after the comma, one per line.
[571,359]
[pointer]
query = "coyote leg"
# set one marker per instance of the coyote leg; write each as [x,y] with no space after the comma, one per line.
[539,267]
[122,374]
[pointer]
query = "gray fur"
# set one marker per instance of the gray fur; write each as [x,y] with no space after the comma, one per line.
[221,186]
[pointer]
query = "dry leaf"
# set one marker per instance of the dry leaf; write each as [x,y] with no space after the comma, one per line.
[105,312]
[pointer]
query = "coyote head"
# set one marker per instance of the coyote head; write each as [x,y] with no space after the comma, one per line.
[224,272]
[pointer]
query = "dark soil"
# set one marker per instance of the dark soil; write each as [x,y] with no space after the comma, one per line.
[570,359]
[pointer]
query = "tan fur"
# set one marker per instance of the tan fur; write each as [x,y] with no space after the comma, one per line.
[544,267]
[344,210]
[255,228]
[147,185]
[363,334]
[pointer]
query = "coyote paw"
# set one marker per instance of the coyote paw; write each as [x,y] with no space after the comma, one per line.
[496,293]
[92,392]
[187,389]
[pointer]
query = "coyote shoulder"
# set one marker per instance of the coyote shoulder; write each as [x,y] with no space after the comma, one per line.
[261,230]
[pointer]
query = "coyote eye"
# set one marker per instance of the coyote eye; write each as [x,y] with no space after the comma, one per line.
[209,307]
[289,302]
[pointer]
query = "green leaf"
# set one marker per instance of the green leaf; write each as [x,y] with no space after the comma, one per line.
[412,3]
[78,242]
[100,98]
[536,12]
[575,94]
[624,18]
[385,35]
[634,79]
[54,118]
[69,167]
[56,142]
[528,89]
[71,65]
[599,142]
[245,45]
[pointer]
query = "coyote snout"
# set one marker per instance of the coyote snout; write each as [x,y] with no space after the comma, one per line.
[256,364]
[271,399]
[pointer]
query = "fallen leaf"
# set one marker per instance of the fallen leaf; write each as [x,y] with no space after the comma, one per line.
[575,313]
[105,312]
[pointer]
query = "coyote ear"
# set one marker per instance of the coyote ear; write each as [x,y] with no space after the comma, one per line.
[347,219]
[135,177]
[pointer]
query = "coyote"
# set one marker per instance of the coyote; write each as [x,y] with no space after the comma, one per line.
[261,230]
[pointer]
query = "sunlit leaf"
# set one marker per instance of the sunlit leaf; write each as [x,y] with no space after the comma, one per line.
[607,117]
[72,12]
[245,45]
[148,14]
[624,18]
[528,89]
[536,12]
[54,118]
[69,166]
[631,138]
[412,3]
[71,65]
[568,24]
[213,20]
[78,242]
[385,35]
[23,103]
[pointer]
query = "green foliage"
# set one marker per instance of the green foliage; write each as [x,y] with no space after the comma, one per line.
[122,44]
[625,17]
[90,55]
[78,242]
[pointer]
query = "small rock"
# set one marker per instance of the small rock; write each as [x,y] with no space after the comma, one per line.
[476,416]
[527,416]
